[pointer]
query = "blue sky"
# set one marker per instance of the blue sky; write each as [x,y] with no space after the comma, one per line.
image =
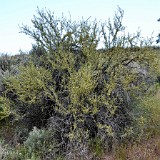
[14,13]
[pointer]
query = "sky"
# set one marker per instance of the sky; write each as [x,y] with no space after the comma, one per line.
[142,14]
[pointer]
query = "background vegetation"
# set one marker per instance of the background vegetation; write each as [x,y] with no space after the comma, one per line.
[70,99]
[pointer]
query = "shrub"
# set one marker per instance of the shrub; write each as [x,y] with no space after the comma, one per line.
[88,93]
[30,90]
[5,62]
[4,108]
[36,141]
[152,113]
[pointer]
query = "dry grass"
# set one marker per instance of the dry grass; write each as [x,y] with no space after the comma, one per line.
[148,150]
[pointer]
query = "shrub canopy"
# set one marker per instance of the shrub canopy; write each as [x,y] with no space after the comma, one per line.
[91,91]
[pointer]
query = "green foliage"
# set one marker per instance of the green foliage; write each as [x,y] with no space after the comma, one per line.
[30,84]
[146,118]
[30,93]
[111,80]
[36,141]
[151,106]
[83,93]
[97,147]
[81,83]
[39,145]
[4,108]
[20,153]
